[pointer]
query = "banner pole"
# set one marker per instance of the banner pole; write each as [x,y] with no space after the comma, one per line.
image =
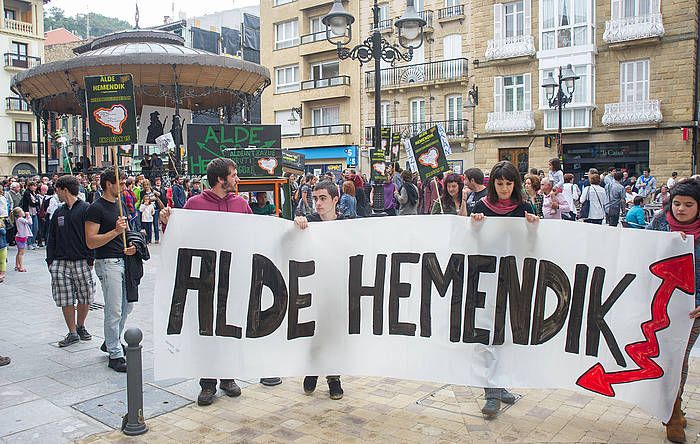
[437,190]
[115,158]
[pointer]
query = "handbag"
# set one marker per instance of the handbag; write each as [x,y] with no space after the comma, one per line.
[586,206]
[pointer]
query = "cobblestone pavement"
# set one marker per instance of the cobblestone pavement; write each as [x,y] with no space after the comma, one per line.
[53,395]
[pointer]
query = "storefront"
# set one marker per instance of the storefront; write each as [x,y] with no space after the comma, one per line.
[631,156]
[330,158]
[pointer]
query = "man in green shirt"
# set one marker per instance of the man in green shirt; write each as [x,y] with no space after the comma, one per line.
[68,163]
[262,207]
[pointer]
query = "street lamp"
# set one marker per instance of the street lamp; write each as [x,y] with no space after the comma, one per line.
[559,92]
[410,35]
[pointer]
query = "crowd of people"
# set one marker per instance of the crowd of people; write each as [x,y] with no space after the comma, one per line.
[77,219]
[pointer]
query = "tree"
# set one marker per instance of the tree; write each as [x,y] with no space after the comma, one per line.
[99,24]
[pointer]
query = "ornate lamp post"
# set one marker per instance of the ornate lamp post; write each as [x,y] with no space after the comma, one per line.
[559,92]
[410,32]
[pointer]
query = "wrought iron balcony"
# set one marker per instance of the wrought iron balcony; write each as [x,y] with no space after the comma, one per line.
[22,147]
[450,11]
[386,25]
[511,121]
[633,28]
[21,60]
[15,104]
[325,83]
[646,112]
[325,130]
[313,37]
[454,129]
[441,71]
[516,46]
[427,15]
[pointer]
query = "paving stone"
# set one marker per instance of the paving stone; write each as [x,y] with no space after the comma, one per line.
[14,394]
[29,415]
[61,431]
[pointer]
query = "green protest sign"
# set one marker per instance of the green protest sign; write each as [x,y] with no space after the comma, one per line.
[395,146]
[256,163]
[206,142]
[429,153]
[377,160]
[111,109]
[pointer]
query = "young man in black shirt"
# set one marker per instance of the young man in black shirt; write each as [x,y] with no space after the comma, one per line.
[103,233]
[70,261]
[473,191]
[325,197]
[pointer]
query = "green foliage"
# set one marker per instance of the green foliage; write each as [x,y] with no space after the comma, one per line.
[100,25]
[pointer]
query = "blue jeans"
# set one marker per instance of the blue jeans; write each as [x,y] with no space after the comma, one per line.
[111,274]
[35,230]
[156,225]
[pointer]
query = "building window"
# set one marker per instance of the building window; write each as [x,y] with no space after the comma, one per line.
[453,115]
[419,5]
[634,8]
[383,12]
[282,2]
[634,81]
[451,3]
[325,70]
[511,20]
[105,154]
[287,34]
[386,113]
[566,23]
[23,131]
[417,107]
[291,126]
[10,14]
[512,93]
[325,117]
[287,79]
[577,114]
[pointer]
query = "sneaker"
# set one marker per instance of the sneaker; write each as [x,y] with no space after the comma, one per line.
[270,382]
[4,360]
[230,388]
[206,397]
[83,333]
[70,339]
[117,364]
[507,397]
[335,389]
[310,384]
[491,407]
[103,347]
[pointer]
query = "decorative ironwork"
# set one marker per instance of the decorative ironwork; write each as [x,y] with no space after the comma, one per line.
[516,46]
[512,121]
[632,113]
[439,71]
[633,28]
[364,52]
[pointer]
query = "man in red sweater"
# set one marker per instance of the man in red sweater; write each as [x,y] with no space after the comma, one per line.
[222,175]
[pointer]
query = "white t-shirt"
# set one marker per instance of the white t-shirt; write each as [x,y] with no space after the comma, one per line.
[147,212]
[3,207]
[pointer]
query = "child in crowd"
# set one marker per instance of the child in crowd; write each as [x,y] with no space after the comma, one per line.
[147,210]
[3,250]
[23,222]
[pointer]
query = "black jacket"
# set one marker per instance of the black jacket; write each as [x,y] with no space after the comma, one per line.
[133,265]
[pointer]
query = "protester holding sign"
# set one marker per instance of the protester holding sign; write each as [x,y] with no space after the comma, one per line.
[504,199]
[325,197]
[451,199]
[103,233]
[683,215]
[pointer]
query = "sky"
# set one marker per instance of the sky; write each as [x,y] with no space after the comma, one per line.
[151,12]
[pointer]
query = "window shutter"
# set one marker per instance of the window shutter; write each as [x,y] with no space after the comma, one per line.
[498,94]
[616,8]
[527,105]
[527,17]
[498,21]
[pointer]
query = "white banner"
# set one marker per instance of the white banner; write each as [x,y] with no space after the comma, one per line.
[500,303]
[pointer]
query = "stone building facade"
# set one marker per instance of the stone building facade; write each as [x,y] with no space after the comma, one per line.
[632,107]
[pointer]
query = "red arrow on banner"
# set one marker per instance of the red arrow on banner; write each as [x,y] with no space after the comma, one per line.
[676,273]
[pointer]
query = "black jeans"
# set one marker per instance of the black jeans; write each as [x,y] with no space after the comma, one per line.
[594,221]
[613,219]
[148,226]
